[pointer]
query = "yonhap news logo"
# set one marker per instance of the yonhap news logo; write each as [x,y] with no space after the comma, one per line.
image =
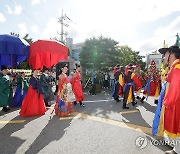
[142,142]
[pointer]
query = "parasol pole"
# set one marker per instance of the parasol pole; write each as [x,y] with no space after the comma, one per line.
[50,80]
[51,88]
[11,86]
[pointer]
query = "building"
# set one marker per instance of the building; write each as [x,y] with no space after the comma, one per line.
[69,42]
[76,50]
[157,57]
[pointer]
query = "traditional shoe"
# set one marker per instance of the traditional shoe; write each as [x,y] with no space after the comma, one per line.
[117,100]
[134,103]
[142,99]
[125,107]
[155,101]
[170,152]
[5,109]
[47,105]
[75,103]
[138,97]
[81,104]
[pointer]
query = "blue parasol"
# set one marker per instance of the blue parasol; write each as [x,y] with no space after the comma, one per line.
[12,50]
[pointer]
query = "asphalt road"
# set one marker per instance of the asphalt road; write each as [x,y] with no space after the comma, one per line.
[101,127]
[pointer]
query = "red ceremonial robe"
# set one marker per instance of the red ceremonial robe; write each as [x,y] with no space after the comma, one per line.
[63,110]
[172,102]
[77,87]
[33,103]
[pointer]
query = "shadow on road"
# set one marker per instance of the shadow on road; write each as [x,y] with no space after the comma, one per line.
[9,144]
[53,131]
[11,110]
[106,108]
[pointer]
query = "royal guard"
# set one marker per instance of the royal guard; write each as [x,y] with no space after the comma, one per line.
[118,85]
[164,71]
[137,71]
[152,87]
[130,82]
[167,116]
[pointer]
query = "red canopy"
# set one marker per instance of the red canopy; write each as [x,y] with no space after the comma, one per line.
[46,53]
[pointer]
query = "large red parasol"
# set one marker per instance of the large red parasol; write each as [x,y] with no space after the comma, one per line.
[46,53]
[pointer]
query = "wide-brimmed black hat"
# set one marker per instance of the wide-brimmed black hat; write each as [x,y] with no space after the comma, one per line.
[131,66]
[45,69]
[171,49]
[3,67]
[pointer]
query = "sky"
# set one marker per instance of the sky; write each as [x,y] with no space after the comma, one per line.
[143,25]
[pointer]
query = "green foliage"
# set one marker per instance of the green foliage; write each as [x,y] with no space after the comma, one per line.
[29,40]
[104,53]
[23,65]
[99,53]
[128,56]
[14,34]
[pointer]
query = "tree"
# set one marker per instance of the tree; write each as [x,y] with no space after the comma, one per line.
[104,53]
[127,55]
[29,40]
[99,53]
[14,34]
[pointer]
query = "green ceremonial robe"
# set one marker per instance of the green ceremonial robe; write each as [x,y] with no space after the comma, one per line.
[4,90]
[19,83]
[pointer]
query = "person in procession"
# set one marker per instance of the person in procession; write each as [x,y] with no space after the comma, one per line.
[130,82]
[65,97]
[46,87]
[118,85]
[167,116]
[152,87]
[5,89]
[77,86]
[21,90]
[33,103]
[137,71]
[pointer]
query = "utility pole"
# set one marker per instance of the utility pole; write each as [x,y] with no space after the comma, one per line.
[62,20]
[177,40]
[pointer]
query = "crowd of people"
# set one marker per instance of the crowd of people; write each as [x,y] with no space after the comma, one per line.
[35,95]
[131,82]
[163,86]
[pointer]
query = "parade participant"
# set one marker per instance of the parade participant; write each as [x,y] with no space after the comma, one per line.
[64,105]
[152,87]
[33,103]
[130,81]
[4,89]
[164,71]
[46,88]
[118,85]
[21,90]
[137,71]
[77,87]
[169,120]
